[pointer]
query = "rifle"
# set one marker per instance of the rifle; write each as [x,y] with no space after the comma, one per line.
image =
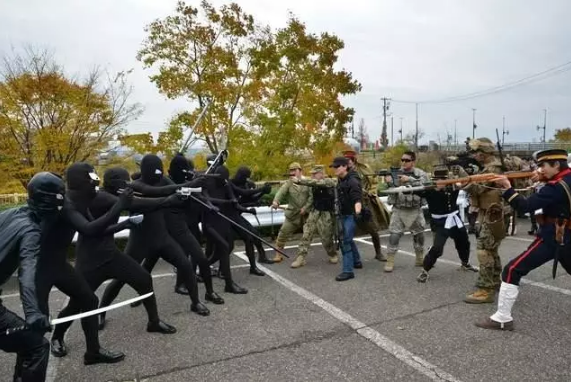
[478,178]
[394,173]
[338,232]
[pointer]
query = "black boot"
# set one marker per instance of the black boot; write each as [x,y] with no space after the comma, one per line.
[58,347]
[232,287]
[160,327]
[200,309]
[181,289]
[256,271]
[102,356]
[214,298]
[264,260]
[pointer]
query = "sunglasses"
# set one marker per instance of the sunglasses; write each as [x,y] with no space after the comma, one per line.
[405,160]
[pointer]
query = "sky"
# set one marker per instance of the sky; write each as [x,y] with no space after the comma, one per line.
[406,50]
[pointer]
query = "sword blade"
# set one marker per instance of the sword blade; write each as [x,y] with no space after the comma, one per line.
[99,310]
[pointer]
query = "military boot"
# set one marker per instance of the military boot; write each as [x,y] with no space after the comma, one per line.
[480,296]
[390,262]
[334,259]
[278,257]
[419,259]
[298,262]
[380,256]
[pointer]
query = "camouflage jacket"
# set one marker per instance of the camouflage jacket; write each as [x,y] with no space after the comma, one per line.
[410,200]
[298,197]
[485,194]
[369,180]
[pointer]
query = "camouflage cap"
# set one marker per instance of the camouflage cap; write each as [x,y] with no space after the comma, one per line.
[484,145]
[317,168]
[294,166]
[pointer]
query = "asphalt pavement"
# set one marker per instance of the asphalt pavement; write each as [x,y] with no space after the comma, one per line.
[302,325]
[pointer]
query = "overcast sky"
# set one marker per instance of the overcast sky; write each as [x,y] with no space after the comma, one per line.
[411,50]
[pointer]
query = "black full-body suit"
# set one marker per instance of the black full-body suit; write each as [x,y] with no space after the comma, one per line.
[21,231]
[177,220]
[217,230]
[151,239]
[249,196]
[54,270]
[98,259]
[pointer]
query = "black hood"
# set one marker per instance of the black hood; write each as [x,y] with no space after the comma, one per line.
[114,179]
[82,179]
[179,169]
[46,193]
[224,174]
[151,169]
[242,175]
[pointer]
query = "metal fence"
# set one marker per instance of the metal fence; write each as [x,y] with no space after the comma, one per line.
[6,199]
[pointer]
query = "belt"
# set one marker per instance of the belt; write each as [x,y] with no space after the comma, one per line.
[452,220]
[542,220]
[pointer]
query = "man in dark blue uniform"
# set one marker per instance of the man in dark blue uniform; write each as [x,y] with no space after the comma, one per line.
[554,233]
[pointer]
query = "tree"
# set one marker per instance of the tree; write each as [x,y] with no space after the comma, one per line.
[48,121]
[205,55]
[563,135]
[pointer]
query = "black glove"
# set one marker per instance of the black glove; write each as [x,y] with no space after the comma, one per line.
[266,189]
[38,322]
[126,197]
[213,208]
[252,211]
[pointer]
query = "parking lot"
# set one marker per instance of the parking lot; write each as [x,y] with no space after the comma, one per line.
[302,325]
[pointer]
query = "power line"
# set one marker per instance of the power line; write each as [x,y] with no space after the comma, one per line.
[523,81]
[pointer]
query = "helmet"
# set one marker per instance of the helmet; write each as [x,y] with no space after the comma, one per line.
[46,193]
[484,145]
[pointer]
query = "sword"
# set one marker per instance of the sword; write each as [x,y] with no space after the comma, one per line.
[56,321]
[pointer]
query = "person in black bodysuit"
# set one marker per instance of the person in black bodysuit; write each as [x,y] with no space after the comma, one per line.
[249,196]
[20,234]
[54,270]
[151,240]
[218,231]
[98,258]
[177,220]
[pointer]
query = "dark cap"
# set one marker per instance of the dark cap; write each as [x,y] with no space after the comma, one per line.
[339,161]
[547,155]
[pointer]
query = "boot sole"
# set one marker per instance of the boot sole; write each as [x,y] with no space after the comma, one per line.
[95,362]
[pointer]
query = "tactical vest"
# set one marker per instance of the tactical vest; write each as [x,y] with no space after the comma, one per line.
[323,198]
[407,200]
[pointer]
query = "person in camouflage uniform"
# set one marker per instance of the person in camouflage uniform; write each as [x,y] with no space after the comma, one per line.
[486,198]
[380,215]
[407,214]
[299,203]
[320,218]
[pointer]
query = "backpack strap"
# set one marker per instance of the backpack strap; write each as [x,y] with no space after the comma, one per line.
[567,191]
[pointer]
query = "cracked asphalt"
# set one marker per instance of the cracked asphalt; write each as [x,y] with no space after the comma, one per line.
[302,325]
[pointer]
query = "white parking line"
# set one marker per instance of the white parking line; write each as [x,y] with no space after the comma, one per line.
[519,239]
[419,364]
[450,262]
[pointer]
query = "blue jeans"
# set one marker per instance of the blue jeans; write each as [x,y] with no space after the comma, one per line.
[349,250]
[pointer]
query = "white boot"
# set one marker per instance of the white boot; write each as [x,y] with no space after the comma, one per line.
[506,299]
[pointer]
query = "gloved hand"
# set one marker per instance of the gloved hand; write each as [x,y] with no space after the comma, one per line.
[266,188]
[38,322]
[136,219]
[126,197]
[213,208]
[252,211]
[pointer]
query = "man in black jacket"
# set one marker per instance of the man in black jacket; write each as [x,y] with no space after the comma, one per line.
[21,229]
[350,197]
[445,223]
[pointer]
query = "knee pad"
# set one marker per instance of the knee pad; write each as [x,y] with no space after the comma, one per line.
[394,238]
[418,240]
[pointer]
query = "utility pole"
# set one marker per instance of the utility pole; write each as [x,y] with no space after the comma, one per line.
[455,132]
[386,105]
[544,127]
[416,133]
[504,131]
[474,126]
[400,131]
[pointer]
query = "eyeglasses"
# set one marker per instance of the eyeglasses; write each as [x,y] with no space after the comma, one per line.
[405,160]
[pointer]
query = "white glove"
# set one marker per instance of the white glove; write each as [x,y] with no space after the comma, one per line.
[136,219]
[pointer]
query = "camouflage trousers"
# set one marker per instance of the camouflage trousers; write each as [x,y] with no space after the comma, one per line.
[406,219]
[489,260]
[288,229]
[323,223]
